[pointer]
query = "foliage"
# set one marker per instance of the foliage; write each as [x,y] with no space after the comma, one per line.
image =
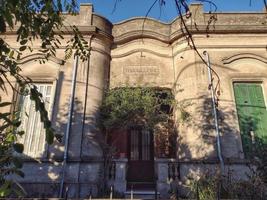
[128,106]
[32,20]
[260,162]
[148,107]
[206,187]
[212,186]
[8,163]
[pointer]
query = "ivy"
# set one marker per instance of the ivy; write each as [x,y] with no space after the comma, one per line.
[128,106]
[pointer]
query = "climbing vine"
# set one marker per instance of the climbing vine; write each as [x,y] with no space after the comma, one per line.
[128,106]
[143,107]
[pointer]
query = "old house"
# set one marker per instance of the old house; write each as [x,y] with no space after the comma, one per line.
[146,52]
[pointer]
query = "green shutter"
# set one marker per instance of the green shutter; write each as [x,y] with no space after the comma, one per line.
[252,115]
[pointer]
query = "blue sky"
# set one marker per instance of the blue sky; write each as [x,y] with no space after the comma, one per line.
[132,8]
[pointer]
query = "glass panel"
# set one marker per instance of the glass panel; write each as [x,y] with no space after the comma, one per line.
[134,145]
[145,145]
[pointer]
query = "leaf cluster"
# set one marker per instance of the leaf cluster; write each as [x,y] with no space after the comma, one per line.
[128,106]
[215,185]
[9,163]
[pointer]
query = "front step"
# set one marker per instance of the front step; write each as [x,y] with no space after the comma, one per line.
[141,194]
[141,186]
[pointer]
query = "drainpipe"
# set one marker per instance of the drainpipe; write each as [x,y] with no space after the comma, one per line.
[85,108]
[214,111]
[70,110]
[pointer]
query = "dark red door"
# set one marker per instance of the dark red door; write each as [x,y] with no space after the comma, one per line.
[140,156]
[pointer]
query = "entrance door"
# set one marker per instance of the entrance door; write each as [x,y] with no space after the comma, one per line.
[140,156]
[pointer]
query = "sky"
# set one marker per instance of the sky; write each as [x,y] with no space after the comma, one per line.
[132,8]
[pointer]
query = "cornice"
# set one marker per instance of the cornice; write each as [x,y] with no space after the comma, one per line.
[201,29]
[143,27]
[224,23]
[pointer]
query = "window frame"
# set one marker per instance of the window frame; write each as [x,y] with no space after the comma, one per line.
[262,82]
[51,110]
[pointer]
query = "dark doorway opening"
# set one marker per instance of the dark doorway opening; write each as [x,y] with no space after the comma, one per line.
[140,174]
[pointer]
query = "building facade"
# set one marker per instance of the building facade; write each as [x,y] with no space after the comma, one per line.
[146,52]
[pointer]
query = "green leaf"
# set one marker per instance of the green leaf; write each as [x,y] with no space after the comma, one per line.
[8,16]
[11,54]
[3,104]
[3,127]
[5,189]
[20,173]
[2,24]
[49,136]
[20,133]
[17,123]
[17,162]
[22,48]
[5,116]
[23,42]
[18,147]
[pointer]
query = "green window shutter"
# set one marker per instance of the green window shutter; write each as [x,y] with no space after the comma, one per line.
[252,115]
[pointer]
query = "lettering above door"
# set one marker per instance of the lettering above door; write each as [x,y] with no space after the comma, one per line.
[141,70]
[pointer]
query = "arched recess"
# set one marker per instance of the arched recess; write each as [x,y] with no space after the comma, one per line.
[31,66]
[248,69]
[245,65]
[48,80]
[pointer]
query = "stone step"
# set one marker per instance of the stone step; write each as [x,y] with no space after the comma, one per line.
[141,194]
[141,186]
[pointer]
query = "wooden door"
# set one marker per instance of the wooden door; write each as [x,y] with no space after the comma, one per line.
[140,156]
[252,116]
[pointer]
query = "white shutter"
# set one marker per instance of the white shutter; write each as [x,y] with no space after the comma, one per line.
[34,137]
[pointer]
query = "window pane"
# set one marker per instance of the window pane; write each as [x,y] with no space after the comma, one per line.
[145,145]
[134,145]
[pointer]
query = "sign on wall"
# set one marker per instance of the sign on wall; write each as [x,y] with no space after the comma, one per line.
[141,70]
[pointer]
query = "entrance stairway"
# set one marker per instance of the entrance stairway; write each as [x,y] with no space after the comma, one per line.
[141,194]
[141,190]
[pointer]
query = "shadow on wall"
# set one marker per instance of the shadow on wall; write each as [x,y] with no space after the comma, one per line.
[199,142]
[84,167]
[197,136]
[200,122]
[203,120]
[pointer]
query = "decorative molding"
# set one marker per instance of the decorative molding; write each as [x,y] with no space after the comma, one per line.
[101,51]
[136,50]
[137,34]
[37,56]
[244,56]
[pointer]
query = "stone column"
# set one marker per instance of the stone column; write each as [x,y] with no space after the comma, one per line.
[163,183]
[120,175]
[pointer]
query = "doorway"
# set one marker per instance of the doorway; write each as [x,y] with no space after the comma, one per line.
[140,157]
